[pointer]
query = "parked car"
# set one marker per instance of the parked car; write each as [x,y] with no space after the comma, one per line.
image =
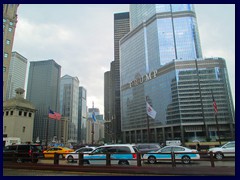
[165,154]
[226,150]
[121,154]
[145,148]
[73,156]
[23,152]
[62,151]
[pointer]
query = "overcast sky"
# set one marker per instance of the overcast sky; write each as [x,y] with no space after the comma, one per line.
[79,38]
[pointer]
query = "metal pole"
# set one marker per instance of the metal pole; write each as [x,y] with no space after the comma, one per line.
[200,92]
[148,131]
[92,132]
[46,143]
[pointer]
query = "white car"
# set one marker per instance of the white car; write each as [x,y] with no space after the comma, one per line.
[164,154]
[226,150]
[120,154]
[73,156]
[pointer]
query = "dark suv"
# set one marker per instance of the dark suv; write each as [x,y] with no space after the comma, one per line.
[23,152]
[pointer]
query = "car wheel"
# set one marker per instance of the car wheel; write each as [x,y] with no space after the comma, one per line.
[123,163]
[186,160]
[152,159]
[70,159]
[219,155]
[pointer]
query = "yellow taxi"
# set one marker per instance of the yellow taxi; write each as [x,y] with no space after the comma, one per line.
[62,151]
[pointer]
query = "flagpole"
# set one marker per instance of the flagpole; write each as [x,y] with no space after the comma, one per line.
[148,131]
[215,115]
[46,143]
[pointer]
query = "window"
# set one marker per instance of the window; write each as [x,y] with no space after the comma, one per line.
[11,112]
[23,129]
[4,69]
[6,113]
[30,115]
[10,23]
[20,113]
[8,41]
[4,20]
[10,29]
[5,55]
[25,113]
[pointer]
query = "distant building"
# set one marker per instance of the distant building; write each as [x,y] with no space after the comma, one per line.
[112,79]
[17,74]
[43,90]
[95,129]
[18,117]
[9,26]
[82,115]
[69,98]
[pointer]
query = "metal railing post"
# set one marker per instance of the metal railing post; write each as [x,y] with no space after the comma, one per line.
[108,160]
[56,158]
[173,159]
[139,163]
[212,159]
[80,157]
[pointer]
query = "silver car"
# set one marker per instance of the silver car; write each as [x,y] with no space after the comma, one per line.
[226,150]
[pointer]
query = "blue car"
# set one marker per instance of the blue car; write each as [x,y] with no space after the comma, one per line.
[121,154]
[164,154]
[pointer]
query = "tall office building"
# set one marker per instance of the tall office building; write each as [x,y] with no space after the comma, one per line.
[9,26]
[121,28]
[43,91]
[69,99]
[161,63]
[17,74]
[82,116]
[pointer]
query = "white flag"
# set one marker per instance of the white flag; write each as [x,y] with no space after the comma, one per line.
[150,111]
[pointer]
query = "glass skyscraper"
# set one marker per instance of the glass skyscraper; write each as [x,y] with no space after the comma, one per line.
[69,101]
[161,62]
[43,91]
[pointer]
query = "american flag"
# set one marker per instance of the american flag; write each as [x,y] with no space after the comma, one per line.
[214,105]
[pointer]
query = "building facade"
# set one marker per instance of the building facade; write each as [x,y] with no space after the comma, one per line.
[18,117]
[82,116]
[43,91]
[69,99]
[161,62]
[9,26]
[17,74]
[113,114]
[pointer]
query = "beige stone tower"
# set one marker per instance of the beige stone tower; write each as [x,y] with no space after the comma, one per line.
[9,25]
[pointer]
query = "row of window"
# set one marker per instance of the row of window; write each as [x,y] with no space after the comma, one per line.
[20,113]
[10,23]
[23,129]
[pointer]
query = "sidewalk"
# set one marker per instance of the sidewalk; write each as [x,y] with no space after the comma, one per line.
[176,171]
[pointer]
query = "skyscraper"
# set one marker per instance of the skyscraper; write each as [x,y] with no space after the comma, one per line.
[121,28]
[161,62]
[69,99]
[82,116]
[17,74]
[9,26]
[43,91]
